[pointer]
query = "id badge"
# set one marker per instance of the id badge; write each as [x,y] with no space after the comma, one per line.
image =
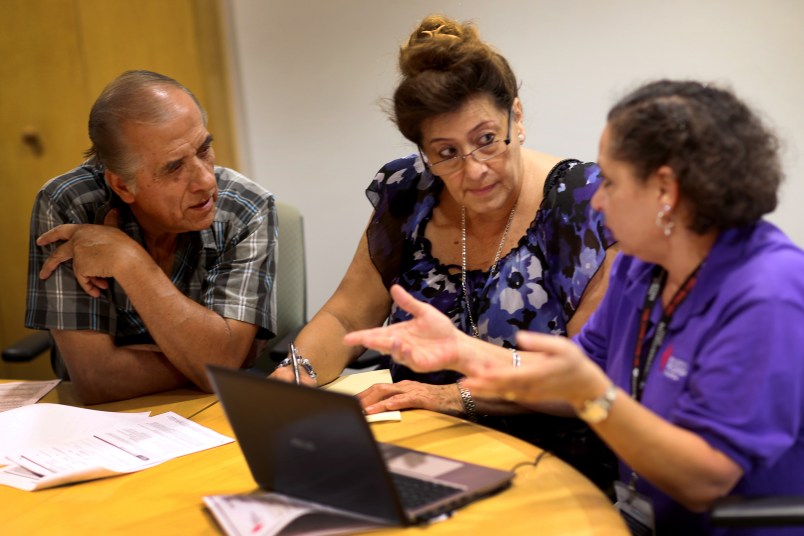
[636,509]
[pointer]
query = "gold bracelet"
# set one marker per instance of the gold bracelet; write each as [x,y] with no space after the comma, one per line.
[468,402]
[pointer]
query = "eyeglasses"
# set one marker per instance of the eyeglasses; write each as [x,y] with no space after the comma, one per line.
[481,154]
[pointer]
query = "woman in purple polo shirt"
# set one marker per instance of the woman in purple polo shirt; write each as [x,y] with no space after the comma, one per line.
[691,369]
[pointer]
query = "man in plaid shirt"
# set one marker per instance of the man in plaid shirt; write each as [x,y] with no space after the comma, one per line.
[147,262]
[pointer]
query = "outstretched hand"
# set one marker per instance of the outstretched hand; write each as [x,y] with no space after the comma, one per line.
[427,342]
[553,369]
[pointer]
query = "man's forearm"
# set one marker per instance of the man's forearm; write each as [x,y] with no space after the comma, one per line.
[188,334]
[102,372]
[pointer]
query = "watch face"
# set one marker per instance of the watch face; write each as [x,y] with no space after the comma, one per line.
[598,409]
[594,412]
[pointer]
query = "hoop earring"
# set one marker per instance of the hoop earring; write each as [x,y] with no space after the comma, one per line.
[665,226]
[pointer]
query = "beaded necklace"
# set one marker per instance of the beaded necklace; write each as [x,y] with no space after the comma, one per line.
[475,330]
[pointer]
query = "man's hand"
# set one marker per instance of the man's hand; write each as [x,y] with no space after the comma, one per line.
[95,251]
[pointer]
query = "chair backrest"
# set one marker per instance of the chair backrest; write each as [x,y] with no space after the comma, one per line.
[291,272]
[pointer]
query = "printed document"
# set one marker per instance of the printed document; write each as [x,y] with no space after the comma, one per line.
[50,444]
[352,384]
[16,394]
[267,514]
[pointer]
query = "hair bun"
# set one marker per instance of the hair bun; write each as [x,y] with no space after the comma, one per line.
[434,45]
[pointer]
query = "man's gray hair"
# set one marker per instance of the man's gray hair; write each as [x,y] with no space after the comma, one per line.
[127,98]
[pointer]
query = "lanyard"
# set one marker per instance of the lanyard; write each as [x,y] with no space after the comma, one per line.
[640,370]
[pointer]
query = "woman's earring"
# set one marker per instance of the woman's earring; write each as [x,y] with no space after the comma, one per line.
[665,226]
[521,138]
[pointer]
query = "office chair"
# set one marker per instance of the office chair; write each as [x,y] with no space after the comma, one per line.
[291,292]
[32,346]
[291,286]
[771,511]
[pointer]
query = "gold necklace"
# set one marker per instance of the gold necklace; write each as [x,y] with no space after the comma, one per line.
[475,331]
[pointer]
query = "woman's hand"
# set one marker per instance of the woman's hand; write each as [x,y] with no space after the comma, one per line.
[552,369]
[286,374]
[412,395]
[427,342]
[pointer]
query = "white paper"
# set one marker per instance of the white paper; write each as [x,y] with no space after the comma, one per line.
[268,514]
[17,394]
[126,446]
[41,425]
[352,384]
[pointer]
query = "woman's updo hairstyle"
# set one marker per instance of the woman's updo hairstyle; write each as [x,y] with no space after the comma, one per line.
[725,158]
[443,64]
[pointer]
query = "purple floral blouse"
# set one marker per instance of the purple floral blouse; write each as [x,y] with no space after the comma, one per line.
[537,285]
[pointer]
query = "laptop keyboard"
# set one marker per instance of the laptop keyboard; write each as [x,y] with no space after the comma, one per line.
[414,492]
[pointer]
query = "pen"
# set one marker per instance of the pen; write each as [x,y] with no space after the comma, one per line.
[294,359]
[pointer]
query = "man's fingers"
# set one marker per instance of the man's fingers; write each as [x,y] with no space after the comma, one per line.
[99,282]
[60,254]
[60,232]
[88,286]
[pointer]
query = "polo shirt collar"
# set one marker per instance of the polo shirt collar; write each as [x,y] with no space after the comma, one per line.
[729,248]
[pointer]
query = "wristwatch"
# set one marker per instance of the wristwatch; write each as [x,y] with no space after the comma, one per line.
[597,409]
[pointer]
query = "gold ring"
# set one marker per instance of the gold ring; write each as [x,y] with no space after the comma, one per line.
[510,396]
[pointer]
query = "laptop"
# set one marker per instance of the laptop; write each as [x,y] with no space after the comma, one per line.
[315,445]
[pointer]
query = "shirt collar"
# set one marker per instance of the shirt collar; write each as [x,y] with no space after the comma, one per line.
[729,248]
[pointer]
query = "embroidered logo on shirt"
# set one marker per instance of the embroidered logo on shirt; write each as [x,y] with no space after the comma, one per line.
[675,368]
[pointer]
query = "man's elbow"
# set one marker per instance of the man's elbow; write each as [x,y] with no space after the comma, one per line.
[88,393]
[200,377]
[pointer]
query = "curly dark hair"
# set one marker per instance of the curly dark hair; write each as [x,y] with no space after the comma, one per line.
[725,158]
[443,64]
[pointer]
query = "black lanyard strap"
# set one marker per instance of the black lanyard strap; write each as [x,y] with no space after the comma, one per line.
[641,369]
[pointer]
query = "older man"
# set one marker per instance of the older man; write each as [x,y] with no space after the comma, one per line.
[147,262]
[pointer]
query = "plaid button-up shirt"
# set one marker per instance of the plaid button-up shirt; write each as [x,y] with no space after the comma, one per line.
[229,268]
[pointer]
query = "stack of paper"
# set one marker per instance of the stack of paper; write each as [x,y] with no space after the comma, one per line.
[269,514]
[353,384]
[48,445]
[16,394]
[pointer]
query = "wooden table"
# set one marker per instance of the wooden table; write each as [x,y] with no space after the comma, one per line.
[186,402]
[551,498]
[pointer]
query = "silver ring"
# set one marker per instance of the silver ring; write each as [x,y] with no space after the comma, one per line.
[516,360]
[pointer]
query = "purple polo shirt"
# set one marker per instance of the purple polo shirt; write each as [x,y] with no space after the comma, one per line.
[731,368]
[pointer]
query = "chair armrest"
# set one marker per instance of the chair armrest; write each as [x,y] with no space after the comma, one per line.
[28,347]
[758,511]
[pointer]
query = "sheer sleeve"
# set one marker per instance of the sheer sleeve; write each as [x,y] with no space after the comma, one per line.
[575,239]
[397,190]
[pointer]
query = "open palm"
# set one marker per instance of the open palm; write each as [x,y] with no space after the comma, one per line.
[426,342]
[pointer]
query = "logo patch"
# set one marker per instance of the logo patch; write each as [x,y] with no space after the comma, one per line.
[676,369]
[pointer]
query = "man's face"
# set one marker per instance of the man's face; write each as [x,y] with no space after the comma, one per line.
[175,189]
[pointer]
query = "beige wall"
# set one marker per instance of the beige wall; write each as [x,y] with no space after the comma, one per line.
[312,74]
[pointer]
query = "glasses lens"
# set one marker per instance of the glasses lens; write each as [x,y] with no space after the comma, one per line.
[481,154]
[450,165]
[487,152]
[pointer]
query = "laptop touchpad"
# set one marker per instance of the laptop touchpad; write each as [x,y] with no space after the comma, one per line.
[422,464]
